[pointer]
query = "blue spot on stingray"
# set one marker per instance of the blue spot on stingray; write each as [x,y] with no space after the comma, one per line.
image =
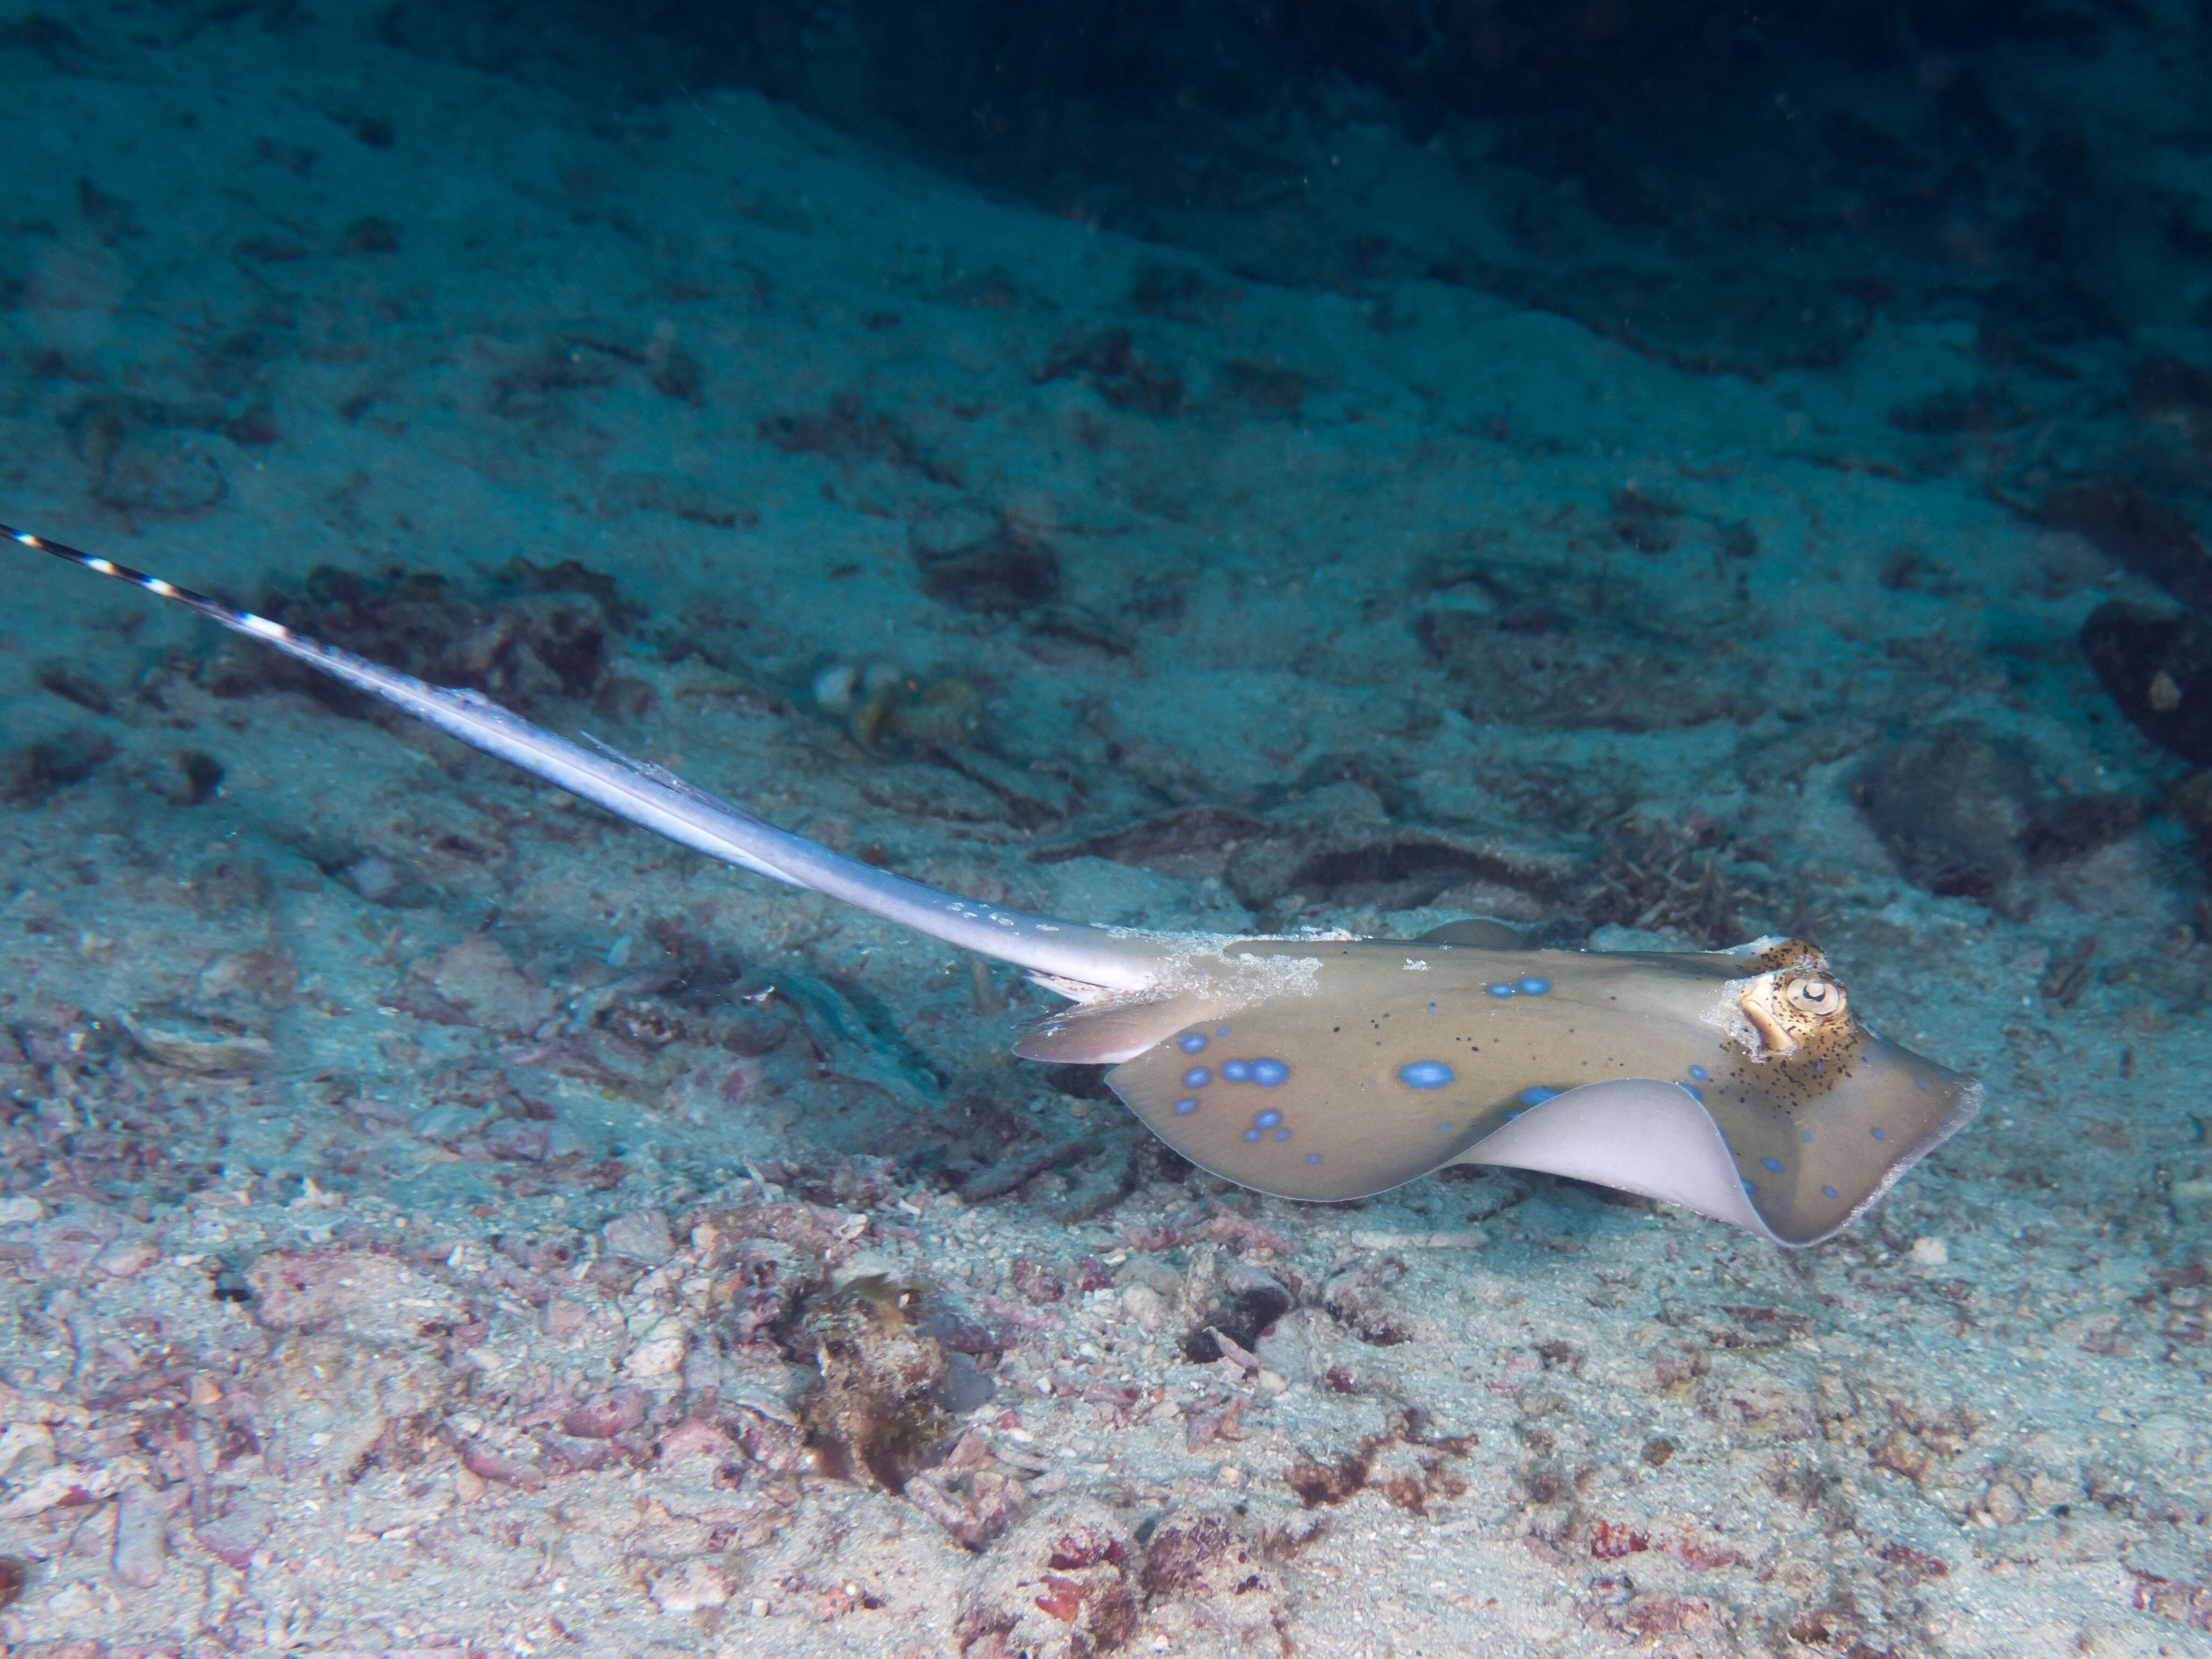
[1509,1116]
[1190,1042]
[1699,1073]
[1694,1092]
[1313,1157]
[1805,1135]
[1282,1134]
[1268,1119]
[1748,1189]
[1197,1078]
[1922,1081]
[1536,1094]
[1879,1136]
[1772,1164]
[1236,1071]
[1221,1031]
[1185,1107]
[1268,1073]
[1499,990]
[1828,1192]
[1424,1074]
[1251,1134]
[1433,1007]
[1534,987]
[1444,1128]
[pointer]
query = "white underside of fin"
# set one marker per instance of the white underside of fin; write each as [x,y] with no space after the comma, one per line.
[1639,1134]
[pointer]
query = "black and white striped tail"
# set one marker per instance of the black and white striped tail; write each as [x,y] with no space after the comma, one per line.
[659,801]
[244,621]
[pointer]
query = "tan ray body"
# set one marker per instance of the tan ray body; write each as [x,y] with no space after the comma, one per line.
[1391,1059]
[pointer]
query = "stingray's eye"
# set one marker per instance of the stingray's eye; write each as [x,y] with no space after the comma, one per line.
[1813,995]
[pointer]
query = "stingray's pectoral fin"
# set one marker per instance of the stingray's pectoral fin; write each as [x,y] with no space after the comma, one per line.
[1111,1030]
[1635,1133]
[1655,1137]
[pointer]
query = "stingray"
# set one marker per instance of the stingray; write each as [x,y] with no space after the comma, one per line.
[1738,1083]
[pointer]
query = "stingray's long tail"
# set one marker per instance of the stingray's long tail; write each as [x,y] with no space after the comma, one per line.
[659,801]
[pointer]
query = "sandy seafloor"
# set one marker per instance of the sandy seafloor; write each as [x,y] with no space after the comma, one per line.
[439,1220]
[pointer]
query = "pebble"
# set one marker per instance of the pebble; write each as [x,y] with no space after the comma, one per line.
[188,1049]
[658,1355]
[141,1542]
[697,1584]
[642,1235]
[125,1257]
[372,876]
[244,1526]
[33,1440]
[833,688]
[72,1601]
[1144,1305]
[65,1483]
